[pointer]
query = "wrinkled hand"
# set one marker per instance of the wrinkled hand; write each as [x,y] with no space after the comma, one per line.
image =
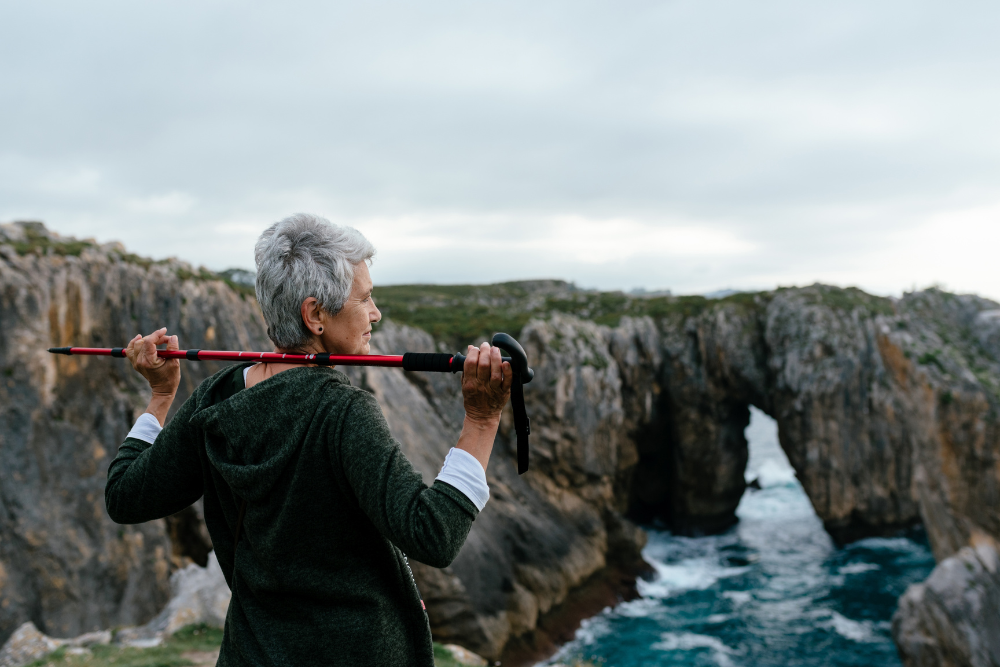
[486,381]
[163,375]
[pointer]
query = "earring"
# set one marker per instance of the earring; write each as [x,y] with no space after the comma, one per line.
[321,329]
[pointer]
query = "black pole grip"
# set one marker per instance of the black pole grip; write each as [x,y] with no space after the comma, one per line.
[458,363]
[434,362]
[518,360]
[518,357]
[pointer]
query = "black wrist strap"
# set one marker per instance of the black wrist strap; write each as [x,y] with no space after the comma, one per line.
[522,427]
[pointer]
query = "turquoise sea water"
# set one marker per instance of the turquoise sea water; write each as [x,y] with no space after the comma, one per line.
[774,590]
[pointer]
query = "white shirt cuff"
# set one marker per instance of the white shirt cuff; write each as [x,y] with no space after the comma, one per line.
[463,471]
[146,428]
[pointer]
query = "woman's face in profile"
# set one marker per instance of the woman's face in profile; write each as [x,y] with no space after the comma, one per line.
[350,330]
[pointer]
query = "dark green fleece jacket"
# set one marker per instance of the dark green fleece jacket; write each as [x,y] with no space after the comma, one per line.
[319,576]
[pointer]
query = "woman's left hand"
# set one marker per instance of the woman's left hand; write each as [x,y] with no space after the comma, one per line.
[163,375]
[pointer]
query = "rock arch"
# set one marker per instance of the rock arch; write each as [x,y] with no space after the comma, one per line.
[876,402]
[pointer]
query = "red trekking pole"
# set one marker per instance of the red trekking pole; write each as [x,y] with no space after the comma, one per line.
[411,361]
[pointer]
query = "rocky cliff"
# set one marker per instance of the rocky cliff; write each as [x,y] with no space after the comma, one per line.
[551,547]
[887,409]
[64,565]
[953,618]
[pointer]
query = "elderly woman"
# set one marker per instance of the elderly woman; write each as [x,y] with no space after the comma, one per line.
[309,500]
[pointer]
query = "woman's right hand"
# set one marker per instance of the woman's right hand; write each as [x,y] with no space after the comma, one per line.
[163,375]
[486,381]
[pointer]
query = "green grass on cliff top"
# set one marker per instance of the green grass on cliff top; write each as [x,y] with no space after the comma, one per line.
[462,314]
[180,650]
[171,653]
[36,240]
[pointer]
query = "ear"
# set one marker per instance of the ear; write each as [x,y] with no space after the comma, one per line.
[312,316]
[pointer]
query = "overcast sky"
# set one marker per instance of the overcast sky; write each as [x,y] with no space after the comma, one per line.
[689,145]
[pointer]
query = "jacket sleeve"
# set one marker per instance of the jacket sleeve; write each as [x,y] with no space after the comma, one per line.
[151,481]
[429,524]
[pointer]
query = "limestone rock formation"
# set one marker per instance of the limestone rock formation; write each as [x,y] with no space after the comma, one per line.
[64,565]
[198,595]
[953,618]
[888,409]
[27,645]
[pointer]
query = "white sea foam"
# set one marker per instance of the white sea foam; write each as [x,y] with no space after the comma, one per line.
[592,629]
[776,503]
[887,543]
[589,632]
[640,607]
[686,575]
[773,473]
[859,631]
[739,597]
[688,641]
[857,568]
[794,568]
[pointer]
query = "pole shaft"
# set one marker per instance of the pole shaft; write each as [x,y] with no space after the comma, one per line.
[389,360]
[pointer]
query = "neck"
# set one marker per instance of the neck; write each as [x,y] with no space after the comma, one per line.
[313,346]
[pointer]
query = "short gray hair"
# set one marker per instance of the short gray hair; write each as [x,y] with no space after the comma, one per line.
[305,256]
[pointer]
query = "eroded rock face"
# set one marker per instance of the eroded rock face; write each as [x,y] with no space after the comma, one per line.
[953,618]
[64,565]
[888,410]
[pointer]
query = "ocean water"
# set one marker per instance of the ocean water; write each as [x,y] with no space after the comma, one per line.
[774,590]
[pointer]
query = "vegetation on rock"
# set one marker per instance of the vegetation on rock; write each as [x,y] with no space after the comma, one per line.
[462,314]
[193,645]
[171,653]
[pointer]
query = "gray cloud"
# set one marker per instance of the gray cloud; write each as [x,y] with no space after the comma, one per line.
[851,142]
